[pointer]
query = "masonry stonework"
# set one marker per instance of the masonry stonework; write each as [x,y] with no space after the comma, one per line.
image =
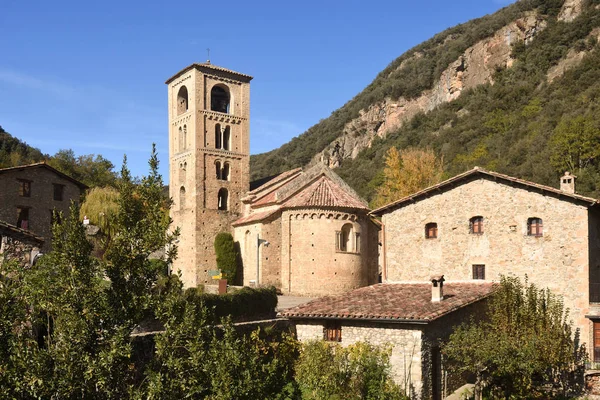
[561,259]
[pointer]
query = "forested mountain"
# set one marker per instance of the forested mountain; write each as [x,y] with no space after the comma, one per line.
[14,152]
[517,92]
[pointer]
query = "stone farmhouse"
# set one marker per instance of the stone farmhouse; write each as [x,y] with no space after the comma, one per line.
[30,194]
[18,244]
[412,318]
[320,237]
[481,224]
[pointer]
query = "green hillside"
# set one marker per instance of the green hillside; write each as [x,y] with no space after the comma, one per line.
[14,152]
[521,125]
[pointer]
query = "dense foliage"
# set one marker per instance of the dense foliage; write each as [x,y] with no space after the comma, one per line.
[359,371]
[525,348]
[14,152]
[92,170]
[227,255]
[513,126]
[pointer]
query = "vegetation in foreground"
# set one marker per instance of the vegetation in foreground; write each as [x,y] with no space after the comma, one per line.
[524,349]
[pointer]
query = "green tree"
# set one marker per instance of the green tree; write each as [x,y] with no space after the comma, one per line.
[524,346]
[100,206]
[227,255]
[575,144]
[360,371]
[92,170]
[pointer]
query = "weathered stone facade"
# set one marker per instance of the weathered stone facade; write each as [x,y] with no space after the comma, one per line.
[209,155]
[31,192]
[18,245]
[564,258]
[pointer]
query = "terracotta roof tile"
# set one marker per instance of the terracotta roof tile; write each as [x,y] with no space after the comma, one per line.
[482,173]
[254,217]
[324,193]
[20,234]
[403,302]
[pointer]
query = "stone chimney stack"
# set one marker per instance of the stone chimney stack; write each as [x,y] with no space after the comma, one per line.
[437,288]
[567,183]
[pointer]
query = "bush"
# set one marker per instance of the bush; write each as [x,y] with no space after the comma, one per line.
[227,255]
[243,304]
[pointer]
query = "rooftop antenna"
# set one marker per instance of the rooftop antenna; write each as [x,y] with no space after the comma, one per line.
[208,56]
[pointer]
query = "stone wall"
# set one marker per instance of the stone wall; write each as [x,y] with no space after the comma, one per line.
[560,259]
[12,249]
[406,342]
[40,202]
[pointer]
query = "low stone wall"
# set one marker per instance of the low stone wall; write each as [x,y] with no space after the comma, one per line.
[592,383]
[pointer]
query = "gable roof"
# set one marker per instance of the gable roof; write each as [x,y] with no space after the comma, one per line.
[480,173]
[208,67]
[20,234]
[48,167]
[316,187]
[393,302]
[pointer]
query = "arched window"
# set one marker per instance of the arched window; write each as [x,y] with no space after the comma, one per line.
[226,138]
[218,169]
[182,100]
[182,198]
[225,172]
[344,239]
[535,227]
[219,99]
[218,136]
[180,140]
[223,199]
[476,225]
[431,230]
[185,137]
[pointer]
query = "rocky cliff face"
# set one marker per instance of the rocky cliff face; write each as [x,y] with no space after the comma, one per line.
[474,67]
[570,10]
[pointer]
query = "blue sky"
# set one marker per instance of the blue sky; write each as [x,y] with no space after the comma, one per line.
[90,75]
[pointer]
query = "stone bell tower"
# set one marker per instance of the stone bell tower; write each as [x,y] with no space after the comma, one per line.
[209,153]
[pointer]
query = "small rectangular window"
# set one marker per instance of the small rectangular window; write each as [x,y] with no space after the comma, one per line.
[332,331]
[58,191]
[431,230]
[535,227]
[596,341]
[24,188]
[477,225]
[478,271]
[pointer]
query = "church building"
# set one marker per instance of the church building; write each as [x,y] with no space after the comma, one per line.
[305,232]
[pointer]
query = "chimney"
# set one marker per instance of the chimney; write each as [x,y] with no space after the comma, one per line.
[437,288]
[567,183]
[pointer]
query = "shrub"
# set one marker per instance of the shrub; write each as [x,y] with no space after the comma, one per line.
[227,255]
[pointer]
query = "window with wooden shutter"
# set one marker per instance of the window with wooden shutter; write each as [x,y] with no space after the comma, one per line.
[24,188]
[332,331]
[535,227]
[478,271]
[476,225]
[431,230]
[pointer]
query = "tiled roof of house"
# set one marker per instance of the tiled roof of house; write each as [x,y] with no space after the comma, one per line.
[254,217]
[19,234]
[400,302]
[324,193]
[209,66]
[48,167]
[479,173]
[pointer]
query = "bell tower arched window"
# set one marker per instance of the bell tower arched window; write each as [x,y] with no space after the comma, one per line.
[225,172]
[180,139]
[218,136]
[218,169]
[185,137]
[223,200]
[182,100]
[182,198]
[227,138]
[219,99]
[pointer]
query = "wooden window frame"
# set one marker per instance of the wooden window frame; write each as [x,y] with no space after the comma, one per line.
[596,341]
[431,230]
[20,221]
[24,187]
[535,227]
[61,192]
[479,271]
[332,331]
[476,225]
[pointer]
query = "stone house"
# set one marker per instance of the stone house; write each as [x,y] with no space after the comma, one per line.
[412,318]
[30,194]
[480,225]
[18,244]
[321,239]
